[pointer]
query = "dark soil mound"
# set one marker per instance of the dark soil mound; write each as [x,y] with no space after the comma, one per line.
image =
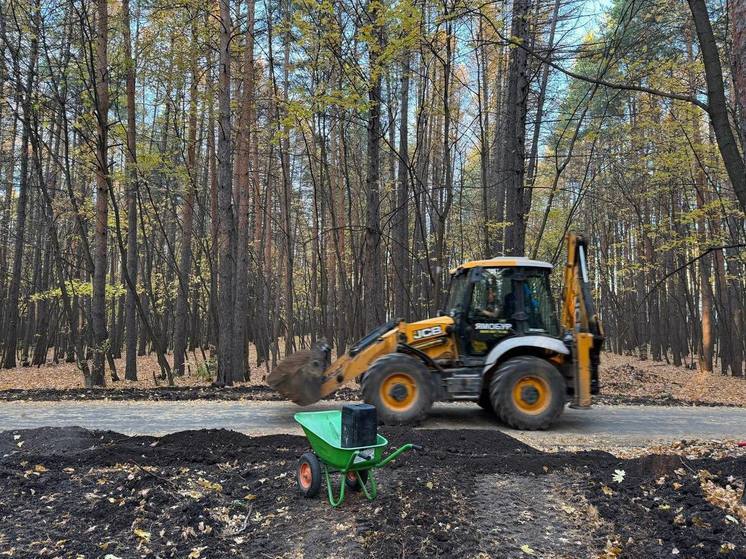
[217,493]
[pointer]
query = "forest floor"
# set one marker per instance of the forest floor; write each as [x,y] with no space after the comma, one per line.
[624,380]
[69,492]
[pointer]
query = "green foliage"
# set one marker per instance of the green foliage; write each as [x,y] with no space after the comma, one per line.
[207,370]
[78,288]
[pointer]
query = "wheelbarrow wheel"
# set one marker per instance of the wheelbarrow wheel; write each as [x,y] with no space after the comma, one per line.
[309,475]
[352,482]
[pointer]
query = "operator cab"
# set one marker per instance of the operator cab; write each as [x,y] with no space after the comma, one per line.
[493,299]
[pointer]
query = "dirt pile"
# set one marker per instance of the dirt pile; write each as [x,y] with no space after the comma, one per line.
[71,492]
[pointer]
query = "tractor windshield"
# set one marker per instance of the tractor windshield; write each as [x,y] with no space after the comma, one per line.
[457,294]
[538,302]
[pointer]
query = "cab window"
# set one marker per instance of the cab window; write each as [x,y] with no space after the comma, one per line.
[488,296]
[539,306]
[459,285]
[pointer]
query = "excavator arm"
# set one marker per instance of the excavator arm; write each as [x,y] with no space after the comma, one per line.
[307,376]
[581,321]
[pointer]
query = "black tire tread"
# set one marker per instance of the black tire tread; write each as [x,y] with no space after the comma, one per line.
[501,398]
[404,363]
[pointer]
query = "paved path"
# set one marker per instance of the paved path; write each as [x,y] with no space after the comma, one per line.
[600,426]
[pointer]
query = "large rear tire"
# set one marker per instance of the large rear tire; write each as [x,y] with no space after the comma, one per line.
[400,387]
[528,393]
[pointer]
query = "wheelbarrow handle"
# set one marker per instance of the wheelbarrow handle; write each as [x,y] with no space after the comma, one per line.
[397,452]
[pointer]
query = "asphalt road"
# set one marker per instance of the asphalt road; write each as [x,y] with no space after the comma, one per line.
[599,427]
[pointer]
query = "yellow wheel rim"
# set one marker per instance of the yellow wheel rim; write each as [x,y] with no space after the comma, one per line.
[398,391]
[531,395]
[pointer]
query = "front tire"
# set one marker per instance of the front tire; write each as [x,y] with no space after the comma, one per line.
[400,388]
[309,475]
[528,393]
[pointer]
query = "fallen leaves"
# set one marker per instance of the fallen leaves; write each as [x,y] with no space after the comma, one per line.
[726,498]
[612,550]
[618,476]
[142,534]
[196,552]
[212,486]
[627,376]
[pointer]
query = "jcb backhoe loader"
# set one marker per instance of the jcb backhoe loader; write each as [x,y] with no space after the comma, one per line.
[498,343]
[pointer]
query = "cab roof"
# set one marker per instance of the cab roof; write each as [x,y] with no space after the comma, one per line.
[504,262]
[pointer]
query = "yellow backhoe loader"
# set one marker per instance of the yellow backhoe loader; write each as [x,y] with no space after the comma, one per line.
[498,343]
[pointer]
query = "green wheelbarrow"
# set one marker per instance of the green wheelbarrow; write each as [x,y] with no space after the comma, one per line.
[356,465]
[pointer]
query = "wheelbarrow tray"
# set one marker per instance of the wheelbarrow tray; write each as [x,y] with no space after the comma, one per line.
[324,431]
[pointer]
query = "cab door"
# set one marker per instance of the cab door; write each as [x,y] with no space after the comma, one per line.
[487,320]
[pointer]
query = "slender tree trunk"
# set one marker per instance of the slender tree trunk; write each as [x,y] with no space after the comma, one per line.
[373,289]
[513,156]
[243,164]
[287,190]
[98,299]
[181,318]
[226,229]
[401,211]
[131,175]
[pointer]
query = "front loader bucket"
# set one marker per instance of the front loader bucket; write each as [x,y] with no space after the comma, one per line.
[299,376]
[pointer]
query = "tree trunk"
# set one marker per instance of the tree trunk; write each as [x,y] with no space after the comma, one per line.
[373,288]
[738,57]
[131,175]
[717,105]
[226,229]
[513,156]
[181,318]
[98,299]
[243,164]
[401,211]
